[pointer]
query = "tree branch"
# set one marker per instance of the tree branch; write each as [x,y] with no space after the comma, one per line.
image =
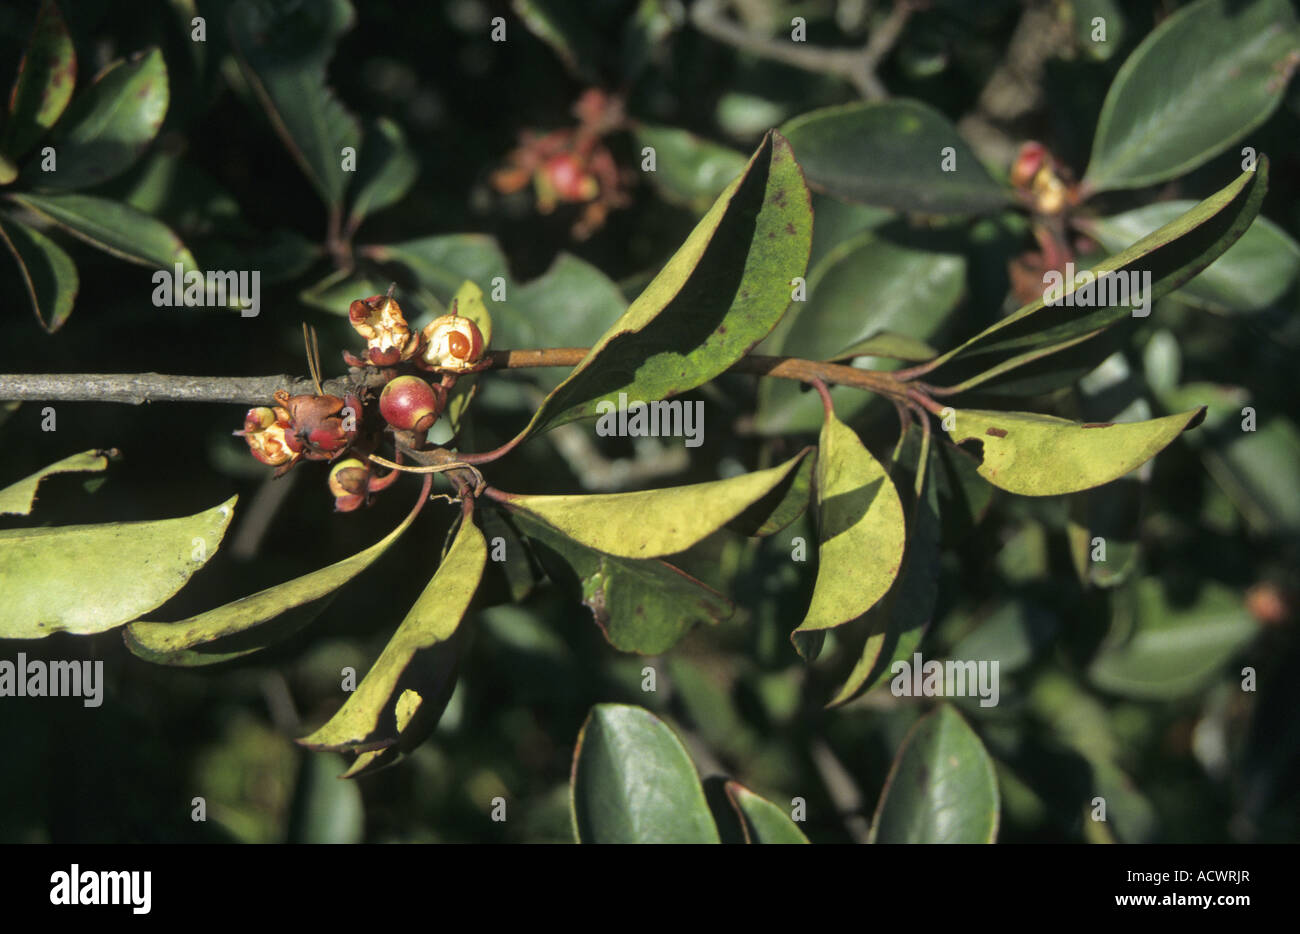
[139,388]
[857,66]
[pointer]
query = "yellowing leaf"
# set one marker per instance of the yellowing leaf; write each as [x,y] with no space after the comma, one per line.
[860,530]
[650,523]
[18,498]
[85,579]
[394,695]
[1040,455]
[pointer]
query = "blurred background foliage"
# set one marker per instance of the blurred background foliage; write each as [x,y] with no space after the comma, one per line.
[1127,688]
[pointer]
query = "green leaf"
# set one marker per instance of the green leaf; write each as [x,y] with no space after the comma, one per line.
[633,782]
[1030,339]
[18,498]
[85,579]
[384,705]
[1252,274]
[325,810]
[1173,652]
[889,344]
[109,125]
[865,286]
[386,169]
[941,787]
[232,631]
[115,228]
[616,523]
[566,30]
[1041,455]
[891,154]
[894,626]
[284,48]
[860,530]
[689,170]
[46,77]
[718,296]
[47,271]
[641,605]
[760,819]
[1171,109]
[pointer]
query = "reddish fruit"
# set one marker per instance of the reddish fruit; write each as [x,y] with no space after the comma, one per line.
[568,178]
[1028,162]
[380,321]
[266,431]
[408,403]
[318,428]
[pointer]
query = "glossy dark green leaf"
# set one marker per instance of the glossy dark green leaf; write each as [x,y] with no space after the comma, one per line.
[718,296]
[239,628]
[641,606]
[386,169]
[84,579]
[47,271]
[46,76]
[615,523]
[760,819]
[17,499]
[1030,340]
[284,48]
[891,154]
[688,170]
[109,124]
[1204,78]
[941,788]
[115,228]
[384,705]
[1252,274]
[1173,651]
[633,782]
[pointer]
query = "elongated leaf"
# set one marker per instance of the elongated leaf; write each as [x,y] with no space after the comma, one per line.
[284,48]
[862,287]
[688,169]
[616,523]
[394,689]
[46,76]
[889,344]
[232,630]
[1204,78]
[941,788]
[18,498]
[113,227]
[109,125]
[1172,255]
[1252,274]
[860,530]
[719,295]
[642,605]
[385,172]
[633,782]
[1173,652]
[84,579]
[1041,455]
[566,30]
[47,271]
[894,626]
[892,154]
[762,821]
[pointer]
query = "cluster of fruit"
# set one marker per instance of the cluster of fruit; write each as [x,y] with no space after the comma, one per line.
[320,426]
